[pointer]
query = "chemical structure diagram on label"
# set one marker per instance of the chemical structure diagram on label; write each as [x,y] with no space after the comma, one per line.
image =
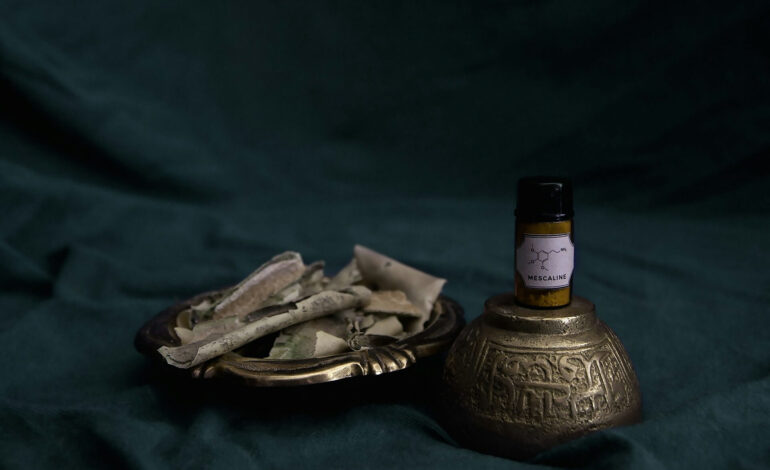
[541,256]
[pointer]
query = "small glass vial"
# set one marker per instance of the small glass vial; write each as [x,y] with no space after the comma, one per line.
[545,250]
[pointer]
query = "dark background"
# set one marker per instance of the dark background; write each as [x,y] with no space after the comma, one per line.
[153,150]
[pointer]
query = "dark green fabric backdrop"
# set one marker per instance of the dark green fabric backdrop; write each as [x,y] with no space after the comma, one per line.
[153,150]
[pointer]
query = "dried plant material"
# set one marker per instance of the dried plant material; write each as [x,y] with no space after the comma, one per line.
[315,315]
[315,306]
[392,301]
[204,306]
[364,322]
[220,326]
[266,281]
[185,335]
[355,321]
[300,341]
[349,315]
[311,282]
[347,276]
[288,294]
[387,326]
[211,328]
[202,310]
[326,344]
[294,345]
[421,289]
[185,318]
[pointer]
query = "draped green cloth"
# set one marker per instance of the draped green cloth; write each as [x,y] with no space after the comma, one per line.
[153,150]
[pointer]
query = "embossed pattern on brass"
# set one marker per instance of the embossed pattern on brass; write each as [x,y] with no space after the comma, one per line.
[521,380]
[444,325]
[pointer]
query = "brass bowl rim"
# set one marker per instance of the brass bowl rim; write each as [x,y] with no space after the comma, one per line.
[577,317]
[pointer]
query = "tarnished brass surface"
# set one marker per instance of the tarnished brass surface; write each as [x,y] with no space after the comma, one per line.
[521,380]
[444,325]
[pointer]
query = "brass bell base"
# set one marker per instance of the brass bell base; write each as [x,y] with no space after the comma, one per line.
[519,381]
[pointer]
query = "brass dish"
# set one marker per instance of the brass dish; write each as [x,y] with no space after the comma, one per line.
[244,364]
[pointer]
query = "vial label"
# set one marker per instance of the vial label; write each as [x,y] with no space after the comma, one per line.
[545,261]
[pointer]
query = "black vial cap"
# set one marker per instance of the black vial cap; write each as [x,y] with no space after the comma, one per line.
[544,199]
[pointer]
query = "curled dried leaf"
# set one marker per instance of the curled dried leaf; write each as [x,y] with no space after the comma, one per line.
[421,289]
[315,306]
[347,276]
[269,279]
[392,301]
[386,326]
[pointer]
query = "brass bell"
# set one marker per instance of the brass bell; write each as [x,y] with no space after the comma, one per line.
[520,380]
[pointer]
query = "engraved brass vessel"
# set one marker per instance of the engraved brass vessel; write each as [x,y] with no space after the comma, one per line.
[520,380]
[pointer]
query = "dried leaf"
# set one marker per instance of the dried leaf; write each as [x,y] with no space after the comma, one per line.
[260,285]
[311,282]
[299,341]
[392,301]
[347,276]
[185,335]
[387,326]
[315,306]
[326,344]
[355,321]
[421,289]
[211,328]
